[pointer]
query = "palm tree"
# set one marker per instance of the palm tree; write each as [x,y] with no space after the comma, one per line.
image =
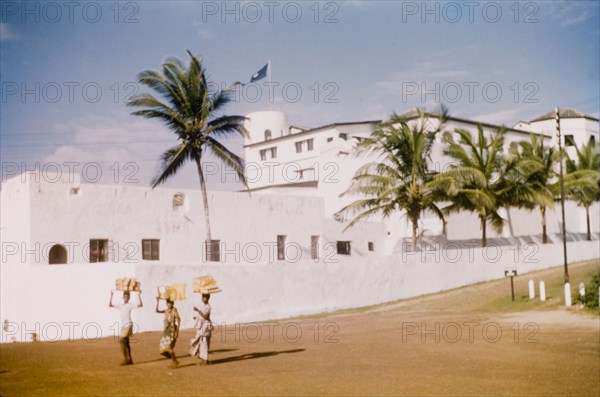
[194,115]
[531,177]
[582,182]
[477,173]
[400,179]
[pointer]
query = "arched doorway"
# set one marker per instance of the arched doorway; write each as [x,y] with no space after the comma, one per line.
[57,255]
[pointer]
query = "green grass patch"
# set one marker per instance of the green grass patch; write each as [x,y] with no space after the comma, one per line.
[490,296]
[554,291]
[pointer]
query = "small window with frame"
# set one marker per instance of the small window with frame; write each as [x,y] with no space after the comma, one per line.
[281,247]
[569,140]
[98,250]
[343,247]
[151,249]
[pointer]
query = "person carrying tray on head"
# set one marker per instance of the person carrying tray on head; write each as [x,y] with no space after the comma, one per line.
[170,330]
[200,344]
[126,325]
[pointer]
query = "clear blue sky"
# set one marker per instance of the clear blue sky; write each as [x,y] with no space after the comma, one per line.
[66,68]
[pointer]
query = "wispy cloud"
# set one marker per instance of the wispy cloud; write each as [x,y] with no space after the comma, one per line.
[128,153]
[429,72]
[135,144]
[576,19]
[6,33]
[206,33]
[568,13]
[449,73]
[356,3]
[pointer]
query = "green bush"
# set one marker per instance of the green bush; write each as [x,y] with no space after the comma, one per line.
[591,292]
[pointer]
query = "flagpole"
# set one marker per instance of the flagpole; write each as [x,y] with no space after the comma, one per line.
[269,77]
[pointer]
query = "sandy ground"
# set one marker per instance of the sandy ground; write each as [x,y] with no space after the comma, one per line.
[415,347]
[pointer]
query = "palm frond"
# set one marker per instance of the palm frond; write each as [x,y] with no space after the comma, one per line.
[190,112]
[172,160]
[229,158]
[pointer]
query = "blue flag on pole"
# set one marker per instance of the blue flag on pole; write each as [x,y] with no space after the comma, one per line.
[261,74]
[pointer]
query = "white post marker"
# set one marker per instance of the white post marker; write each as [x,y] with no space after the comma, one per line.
[581,294]
[531,289]
[542,291]
[567,294]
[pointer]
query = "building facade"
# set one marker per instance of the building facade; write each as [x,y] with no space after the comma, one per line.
[320,162]
[277,251]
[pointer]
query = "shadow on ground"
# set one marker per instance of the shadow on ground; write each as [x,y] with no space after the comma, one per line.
[250,356]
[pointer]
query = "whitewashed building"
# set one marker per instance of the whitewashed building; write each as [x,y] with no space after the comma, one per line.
[283,159]
[280,252]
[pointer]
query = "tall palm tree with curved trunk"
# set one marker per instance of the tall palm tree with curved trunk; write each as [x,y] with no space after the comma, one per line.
[477,173]
[399,179]
[194,115]
[582,181]
[531,174]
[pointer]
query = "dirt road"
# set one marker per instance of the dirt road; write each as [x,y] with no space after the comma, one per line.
[416,348]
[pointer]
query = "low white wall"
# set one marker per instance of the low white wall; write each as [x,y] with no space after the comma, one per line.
[71,301]
[58,301]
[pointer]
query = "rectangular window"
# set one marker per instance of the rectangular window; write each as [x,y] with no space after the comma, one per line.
[281,247]
[343,247]
[343,136]
[371,246]
[314,247]
[274,152]
[569,140]
[310,144]
[98,251]
[263,154]
[593,140]
[212,251]
[151,250]
[329,140]
[299,147]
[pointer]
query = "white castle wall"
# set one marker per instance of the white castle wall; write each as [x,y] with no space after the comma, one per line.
[62,302]
[520,222]
[15,216]
[247,225]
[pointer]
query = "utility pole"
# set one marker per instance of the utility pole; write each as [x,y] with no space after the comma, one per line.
[562,209]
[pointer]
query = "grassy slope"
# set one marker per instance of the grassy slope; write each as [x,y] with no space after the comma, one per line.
[495,296]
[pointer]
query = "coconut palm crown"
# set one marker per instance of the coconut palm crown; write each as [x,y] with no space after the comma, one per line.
[477,170]
[399,179]
[582,181]
[193,113]
[531,178]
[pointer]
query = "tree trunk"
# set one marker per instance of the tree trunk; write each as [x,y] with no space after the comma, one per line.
[414,235]
[587,220]
[205,203]
[544,234]
[483,232]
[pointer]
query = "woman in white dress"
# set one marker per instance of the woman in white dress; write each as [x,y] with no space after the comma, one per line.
[201,341]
